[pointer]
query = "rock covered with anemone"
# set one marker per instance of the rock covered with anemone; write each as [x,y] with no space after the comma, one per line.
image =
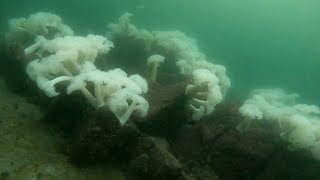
[181,51]
[60,57]
[299,124]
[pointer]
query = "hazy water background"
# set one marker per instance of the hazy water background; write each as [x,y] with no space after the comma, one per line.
[263,43]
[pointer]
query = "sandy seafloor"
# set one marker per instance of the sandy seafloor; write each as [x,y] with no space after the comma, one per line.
[28,151]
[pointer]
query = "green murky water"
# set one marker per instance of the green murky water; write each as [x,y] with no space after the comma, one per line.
[262,43]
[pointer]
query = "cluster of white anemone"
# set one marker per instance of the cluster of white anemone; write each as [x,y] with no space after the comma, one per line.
[41,23]
[299,123]
[70,59]
[63,57]
[188,59]
[205,93]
